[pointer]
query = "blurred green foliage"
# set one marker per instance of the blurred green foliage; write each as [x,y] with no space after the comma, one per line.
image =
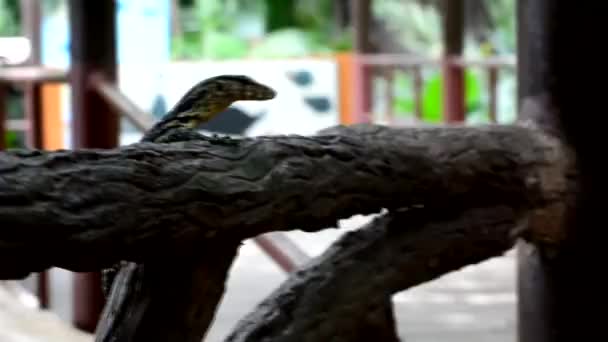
[229,29]
[13,139]
[14,110]
[9,18]
[432,95]
[476,96]
[280,14]
[503,36]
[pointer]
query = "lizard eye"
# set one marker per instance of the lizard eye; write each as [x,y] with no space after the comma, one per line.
[219,87]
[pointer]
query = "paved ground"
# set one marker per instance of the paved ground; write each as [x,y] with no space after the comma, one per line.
[474,304]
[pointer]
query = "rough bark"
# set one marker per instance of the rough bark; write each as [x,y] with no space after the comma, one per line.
[84,210]
[173,300]
[329,297]
[556,177]
[379,324]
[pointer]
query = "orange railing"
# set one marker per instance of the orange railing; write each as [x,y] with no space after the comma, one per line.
[32,78]
[26,76]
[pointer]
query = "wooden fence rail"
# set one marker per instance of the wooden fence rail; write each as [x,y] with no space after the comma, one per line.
[384,66]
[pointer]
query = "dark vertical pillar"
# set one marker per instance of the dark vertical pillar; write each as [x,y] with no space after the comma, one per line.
[562,295]
[453,74]
[361,16]
[341,9]
[30,21]
[93,50]
[95,123]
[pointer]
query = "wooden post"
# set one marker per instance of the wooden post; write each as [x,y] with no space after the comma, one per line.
[361,15]
[493,93]
[453,74]
[562,294]
[94,122]
[31,10]
[31,16]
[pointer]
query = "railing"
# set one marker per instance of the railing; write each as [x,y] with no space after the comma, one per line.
[371,67]
[28,77]
[31,78]
[140,119]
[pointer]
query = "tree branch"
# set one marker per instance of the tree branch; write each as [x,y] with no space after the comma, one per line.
[84,210]
[174,300]
[332,295]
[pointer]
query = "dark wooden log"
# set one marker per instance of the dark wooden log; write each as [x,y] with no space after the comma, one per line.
[171,300]
[335,293]
[84,210]
[163,204]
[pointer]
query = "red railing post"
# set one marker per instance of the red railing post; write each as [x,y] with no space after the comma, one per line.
[453,73]
[361,12]
[31,13]
[278,255]
[453,92]
[94,122]
[362,90]
[31,16]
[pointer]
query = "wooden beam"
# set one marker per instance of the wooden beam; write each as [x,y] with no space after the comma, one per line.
[95,123]
[562,288]
[22,74]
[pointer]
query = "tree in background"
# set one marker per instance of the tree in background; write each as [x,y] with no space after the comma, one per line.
[280,14]
[10,14]
[216,29]
[10,25]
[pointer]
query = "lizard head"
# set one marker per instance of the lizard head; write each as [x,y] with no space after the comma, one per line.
[240,88]
[212,95]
